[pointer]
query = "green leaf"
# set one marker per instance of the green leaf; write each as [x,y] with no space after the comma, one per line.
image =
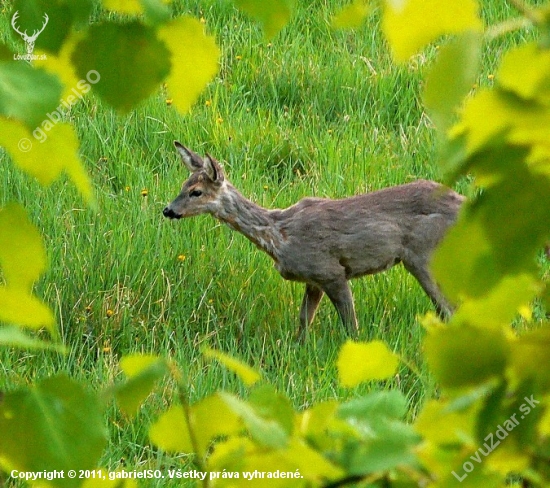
[492,412]
[130,59]
[157,11]
[54,425]
[143,372]
[248,375]
[389,450]
[195,60]
[358,362]
[63,15]
[264,431]
[15,337]
[451,78]
[50,149]
[273,15]
[489,254]
[411,24]
[461,356]
[351,16]
[272,405]
[27,94]
[386,440]
[375,407]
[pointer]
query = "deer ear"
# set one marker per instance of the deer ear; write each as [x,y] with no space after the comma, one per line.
[192,160]
[213,169]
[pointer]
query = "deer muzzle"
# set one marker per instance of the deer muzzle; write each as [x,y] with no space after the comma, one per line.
[170,214]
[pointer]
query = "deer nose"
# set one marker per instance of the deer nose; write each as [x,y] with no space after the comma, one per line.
[169,213]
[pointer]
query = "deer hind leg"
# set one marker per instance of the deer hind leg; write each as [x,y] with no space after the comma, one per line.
[310,303]
[420,271]
[340,295]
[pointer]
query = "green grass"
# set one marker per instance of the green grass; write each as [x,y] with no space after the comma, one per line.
[314,112]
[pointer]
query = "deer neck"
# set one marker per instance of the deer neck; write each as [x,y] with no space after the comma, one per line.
[251,220]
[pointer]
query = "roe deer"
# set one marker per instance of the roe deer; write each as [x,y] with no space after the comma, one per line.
[324,242]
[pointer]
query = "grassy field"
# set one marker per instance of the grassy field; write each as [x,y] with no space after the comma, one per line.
[314,112]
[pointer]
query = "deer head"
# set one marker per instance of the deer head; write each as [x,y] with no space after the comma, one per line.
[200,193]
[29,40]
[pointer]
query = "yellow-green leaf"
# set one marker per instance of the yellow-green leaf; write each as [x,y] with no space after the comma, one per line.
[360,361]
[502,302]
[13,336]
[523,122]
[50,149]
[510,458]
[135,364]
[207,426]
[273,15]
[248,375]
[62,66]
[311,463]
[19,307]
[441,425]
[351,16]
[171,431]
[411,24]
[528,353]
[22,261]
[264,430]
[124,6]
[451,78]
[143,372]
[195,60]
[22,252]
[525,70]
[544,423]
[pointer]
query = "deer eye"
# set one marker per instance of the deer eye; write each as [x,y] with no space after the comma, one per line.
[195,193]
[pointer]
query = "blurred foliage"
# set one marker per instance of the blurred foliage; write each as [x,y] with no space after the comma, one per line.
[491,419]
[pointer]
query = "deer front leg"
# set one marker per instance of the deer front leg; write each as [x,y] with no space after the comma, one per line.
[311,300]
[340,295]
[420,271]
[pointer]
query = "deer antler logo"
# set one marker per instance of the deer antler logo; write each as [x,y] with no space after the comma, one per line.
[29,40]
